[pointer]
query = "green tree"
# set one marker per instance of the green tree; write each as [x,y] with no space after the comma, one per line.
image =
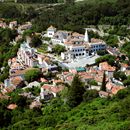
[75,92]
[32,74]
[35,42]
[102,52]
[58,49]
[89,95]
[103,87]
[119,75]
[93,82]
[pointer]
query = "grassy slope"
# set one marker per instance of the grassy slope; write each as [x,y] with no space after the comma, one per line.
[97,115]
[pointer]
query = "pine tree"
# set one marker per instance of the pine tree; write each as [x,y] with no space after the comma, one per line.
[75,92]
[103,87]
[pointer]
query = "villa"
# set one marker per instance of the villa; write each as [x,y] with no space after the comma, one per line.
[77,45]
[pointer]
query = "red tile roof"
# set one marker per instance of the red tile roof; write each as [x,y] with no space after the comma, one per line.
[113,88]
[54,89]
[57,89]
[12,106]
[69,78]
[105,94]
[106,67]
[16,80]
[46,86]
[94,40]
[43,80]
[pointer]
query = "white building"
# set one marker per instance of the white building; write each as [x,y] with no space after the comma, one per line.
[27,56]
[51,31]
[75,51]
[12,24]
[60,37]
[77,45]
[96,45]
[48,91]
[45,62]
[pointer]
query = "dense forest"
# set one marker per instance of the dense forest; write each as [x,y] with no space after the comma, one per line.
[7,50]
[72,16]
[79,16]
[39,1]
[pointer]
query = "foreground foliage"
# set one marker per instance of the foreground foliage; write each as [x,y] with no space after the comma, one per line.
[93,114]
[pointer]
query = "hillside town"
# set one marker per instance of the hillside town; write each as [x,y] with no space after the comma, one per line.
[64,65]
[79,57]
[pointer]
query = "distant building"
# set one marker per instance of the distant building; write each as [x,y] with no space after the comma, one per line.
[27,55]
[51,31]
[12,106]
[48,91]
[96,45]
[77,45]
[109,70]
[12,24]
[60,37]
[24,27]
[2,24]
[46,63]
[15,82]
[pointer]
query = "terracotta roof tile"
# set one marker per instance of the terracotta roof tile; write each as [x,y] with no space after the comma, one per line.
[106,67]
[12,106]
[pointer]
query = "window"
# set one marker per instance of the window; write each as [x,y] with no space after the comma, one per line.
[82,53]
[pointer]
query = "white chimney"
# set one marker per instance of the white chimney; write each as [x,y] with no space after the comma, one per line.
[86,39]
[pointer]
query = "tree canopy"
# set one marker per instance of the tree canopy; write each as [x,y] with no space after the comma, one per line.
[75,92]
[58,49]
[35,41]
[32,74]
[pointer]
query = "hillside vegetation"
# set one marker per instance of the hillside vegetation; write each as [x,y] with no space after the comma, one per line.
[69,16]
[92,114]
[96,1]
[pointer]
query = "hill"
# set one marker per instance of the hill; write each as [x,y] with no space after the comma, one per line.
[96,1]
[97,114]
